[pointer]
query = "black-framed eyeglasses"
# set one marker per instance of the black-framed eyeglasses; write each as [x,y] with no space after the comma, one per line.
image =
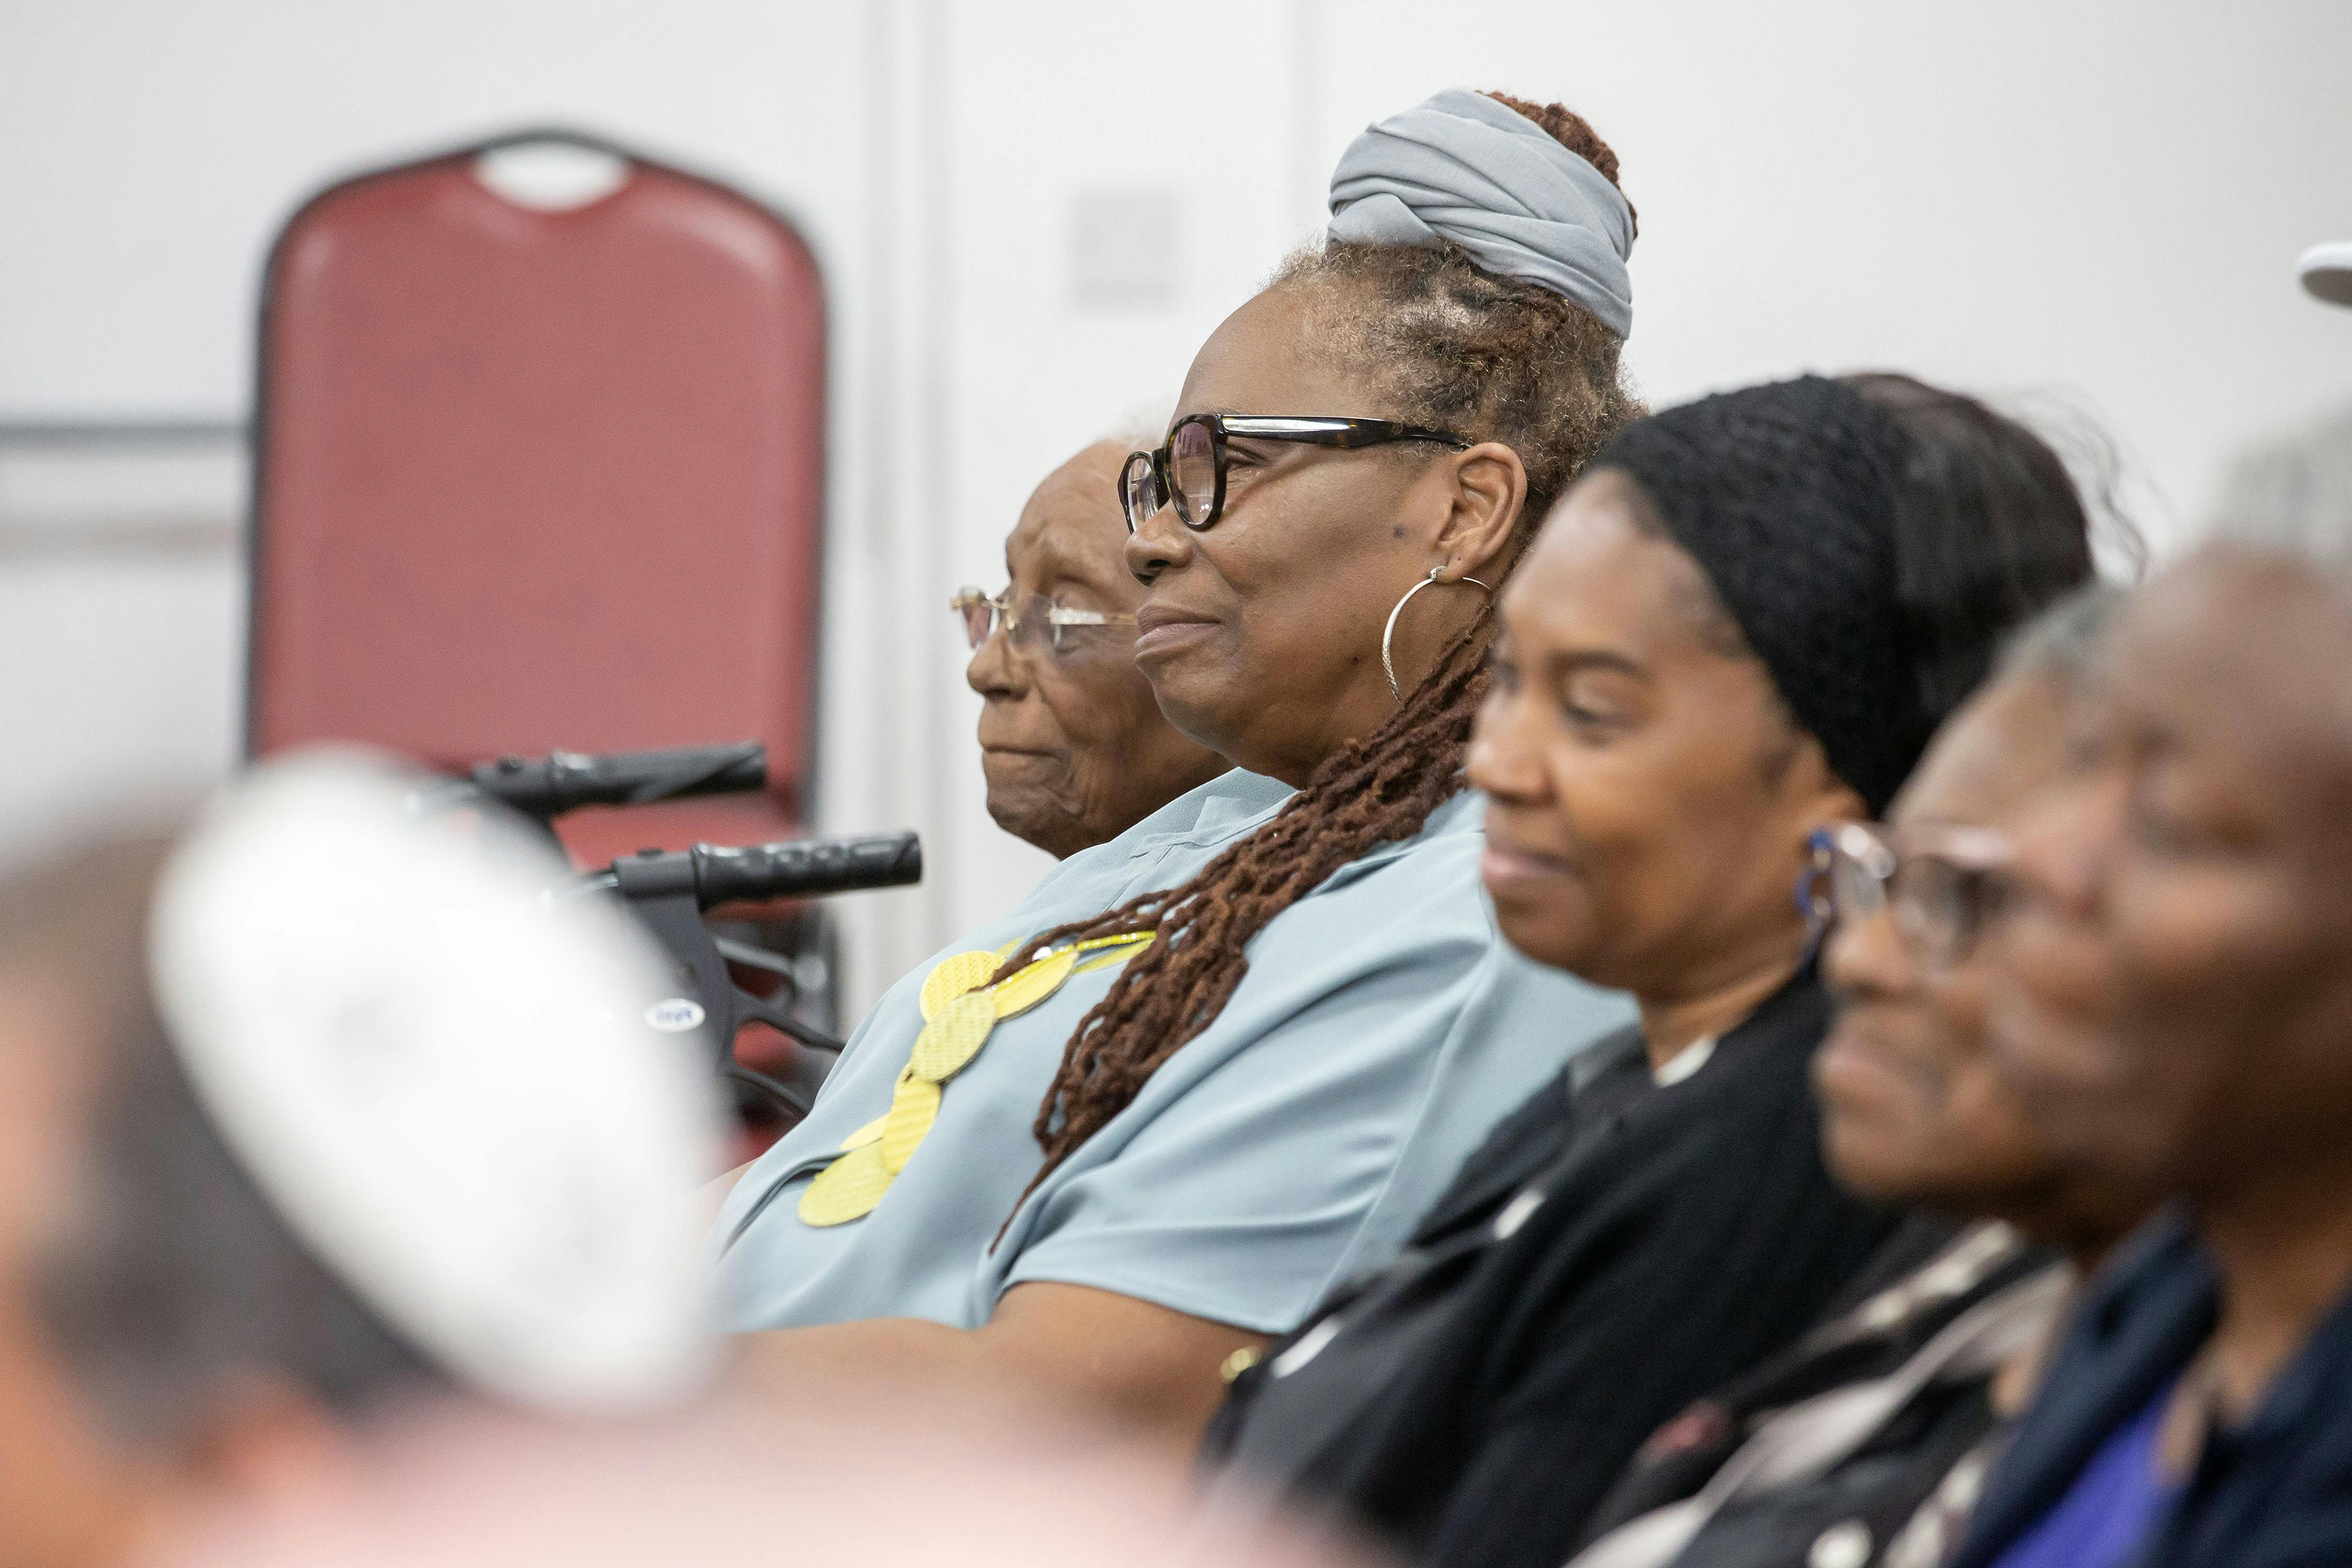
[1187,471]
[1946,884]
[1030,618]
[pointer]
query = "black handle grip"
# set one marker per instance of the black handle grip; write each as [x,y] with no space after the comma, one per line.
[551,786]
[803,868]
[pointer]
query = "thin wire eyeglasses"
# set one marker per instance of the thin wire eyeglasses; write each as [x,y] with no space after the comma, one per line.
[1028,618]
[1946,884]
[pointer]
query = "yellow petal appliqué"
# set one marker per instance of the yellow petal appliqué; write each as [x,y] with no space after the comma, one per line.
[953,977]
[847,1189]
[914,1106]
[1113,950]
[960,1012]
[1024,989]
[953,1037]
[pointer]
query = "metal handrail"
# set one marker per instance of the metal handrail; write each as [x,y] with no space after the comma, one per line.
[144,534]
[155,431]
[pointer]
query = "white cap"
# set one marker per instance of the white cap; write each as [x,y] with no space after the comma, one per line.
[2326,271]
[443,1082]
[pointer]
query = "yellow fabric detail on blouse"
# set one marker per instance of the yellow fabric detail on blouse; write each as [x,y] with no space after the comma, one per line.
[848,1188]
[960,1009]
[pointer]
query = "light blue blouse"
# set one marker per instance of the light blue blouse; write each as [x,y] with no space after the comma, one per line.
[1383,1026]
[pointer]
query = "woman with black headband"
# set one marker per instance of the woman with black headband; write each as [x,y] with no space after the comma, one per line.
[1217,1064]
[1736,631]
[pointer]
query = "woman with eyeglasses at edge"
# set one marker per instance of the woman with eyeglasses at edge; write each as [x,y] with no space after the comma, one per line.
[1866,1443]
[1073,748]
[1739,628]
[2172,996]
[1208,1069]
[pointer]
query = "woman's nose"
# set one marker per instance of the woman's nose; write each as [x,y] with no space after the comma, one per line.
[1500,762]
[1864,956]
[995,670]
[1158,543]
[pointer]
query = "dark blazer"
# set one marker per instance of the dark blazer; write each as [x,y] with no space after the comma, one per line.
[2276,1493]
[1499,1384]
[2138,1324]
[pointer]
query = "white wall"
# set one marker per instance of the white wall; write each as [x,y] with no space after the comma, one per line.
[153,150]
[2101,199]
[2098,201]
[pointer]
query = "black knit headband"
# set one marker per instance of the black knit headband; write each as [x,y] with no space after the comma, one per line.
[1786,496]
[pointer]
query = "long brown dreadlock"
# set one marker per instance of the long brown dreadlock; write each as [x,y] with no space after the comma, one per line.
[1447,345]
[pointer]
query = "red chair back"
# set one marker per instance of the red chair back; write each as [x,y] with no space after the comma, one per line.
[534,479]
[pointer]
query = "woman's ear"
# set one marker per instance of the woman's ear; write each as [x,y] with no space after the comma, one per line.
[1837,802]
[1490,488]
[1816,797]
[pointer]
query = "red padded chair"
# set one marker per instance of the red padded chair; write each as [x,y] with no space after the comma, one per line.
[531,479]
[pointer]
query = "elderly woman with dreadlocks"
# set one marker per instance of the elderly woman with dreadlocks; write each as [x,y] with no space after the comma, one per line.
[1212,1068]
[1736,633]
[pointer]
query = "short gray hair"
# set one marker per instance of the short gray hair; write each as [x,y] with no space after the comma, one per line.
[2061,644]
[2292,497]
[172,1277]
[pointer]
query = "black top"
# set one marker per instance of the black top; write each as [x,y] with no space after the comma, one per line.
[1616,1250]
[2275,1492]
[1901,1481]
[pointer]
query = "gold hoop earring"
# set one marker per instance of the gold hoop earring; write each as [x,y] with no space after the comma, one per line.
[1387,633]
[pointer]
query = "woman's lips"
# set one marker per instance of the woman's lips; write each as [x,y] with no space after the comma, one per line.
[1854,1070]
[1505,865]
[1163,632]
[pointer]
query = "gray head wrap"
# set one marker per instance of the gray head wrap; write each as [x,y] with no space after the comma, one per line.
[1465,168]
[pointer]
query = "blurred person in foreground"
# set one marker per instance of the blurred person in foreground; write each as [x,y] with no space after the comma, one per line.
[345,1220]
[2175,1008]
[322,1120]
[1866,1442]
[1072,741]
[1739,628]
[883,1476]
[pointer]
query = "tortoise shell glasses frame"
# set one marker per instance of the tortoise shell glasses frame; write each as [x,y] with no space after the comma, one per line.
[1188,470]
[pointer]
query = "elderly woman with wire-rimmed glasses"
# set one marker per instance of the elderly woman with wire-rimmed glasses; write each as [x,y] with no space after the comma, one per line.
[1074,747]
